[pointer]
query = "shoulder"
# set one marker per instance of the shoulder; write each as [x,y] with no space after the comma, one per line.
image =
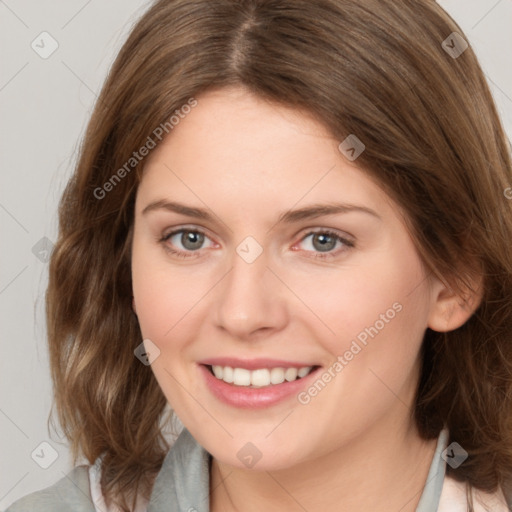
[453,498]
[70,493]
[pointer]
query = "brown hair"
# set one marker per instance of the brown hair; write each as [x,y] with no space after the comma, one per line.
[434,142]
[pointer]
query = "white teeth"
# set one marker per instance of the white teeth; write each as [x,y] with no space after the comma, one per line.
[241,377]
[227,374]
[290,374]
[304,371]
[259,378]
[277,375]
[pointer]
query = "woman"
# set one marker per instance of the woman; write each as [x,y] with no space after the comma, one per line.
[289,223]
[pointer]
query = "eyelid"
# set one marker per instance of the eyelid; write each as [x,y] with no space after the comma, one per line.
[175,231]
[178,229]
[348,242]
[331,231]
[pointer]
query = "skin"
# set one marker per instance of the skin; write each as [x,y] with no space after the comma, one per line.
[354,446]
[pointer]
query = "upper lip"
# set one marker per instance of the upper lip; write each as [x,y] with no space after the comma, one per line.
[253,364]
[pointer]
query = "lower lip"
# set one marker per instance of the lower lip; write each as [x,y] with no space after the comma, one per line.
[245,397]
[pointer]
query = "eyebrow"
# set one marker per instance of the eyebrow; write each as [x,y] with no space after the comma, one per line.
[289,217]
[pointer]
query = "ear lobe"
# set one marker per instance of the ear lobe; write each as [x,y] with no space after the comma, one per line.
[450,310]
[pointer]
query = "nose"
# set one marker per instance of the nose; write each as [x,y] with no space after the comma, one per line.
[251,301]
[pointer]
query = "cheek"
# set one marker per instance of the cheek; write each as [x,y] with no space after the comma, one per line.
[166,304]
[363,303]
[169,300]
[379,317]
[163,302]
[153,287]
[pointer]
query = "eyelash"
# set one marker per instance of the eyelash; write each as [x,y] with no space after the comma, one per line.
[181,254]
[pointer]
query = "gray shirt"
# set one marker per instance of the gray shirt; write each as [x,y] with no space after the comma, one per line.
[183,484]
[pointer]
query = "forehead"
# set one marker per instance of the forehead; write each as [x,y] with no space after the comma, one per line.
[235,147]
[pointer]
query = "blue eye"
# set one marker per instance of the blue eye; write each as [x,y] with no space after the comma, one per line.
[190,239]
[324,241]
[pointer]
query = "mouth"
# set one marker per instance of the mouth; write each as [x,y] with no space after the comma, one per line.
[256,383]
[259,377]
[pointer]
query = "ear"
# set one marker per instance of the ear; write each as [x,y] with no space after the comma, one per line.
[133,306]
[450,310]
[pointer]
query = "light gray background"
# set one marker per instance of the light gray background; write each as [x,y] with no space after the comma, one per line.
[45,105]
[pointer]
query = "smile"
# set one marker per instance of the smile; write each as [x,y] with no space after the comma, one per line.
[256,383]
[260,377]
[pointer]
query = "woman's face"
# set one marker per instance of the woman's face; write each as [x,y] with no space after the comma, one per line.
[282,257]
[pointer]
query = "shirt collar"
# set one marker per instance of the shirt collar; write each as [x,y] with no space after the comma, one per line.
[183,483]
[431,495]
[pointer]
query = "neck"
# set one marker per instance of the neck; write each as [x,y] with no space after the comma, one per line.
[383,469]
